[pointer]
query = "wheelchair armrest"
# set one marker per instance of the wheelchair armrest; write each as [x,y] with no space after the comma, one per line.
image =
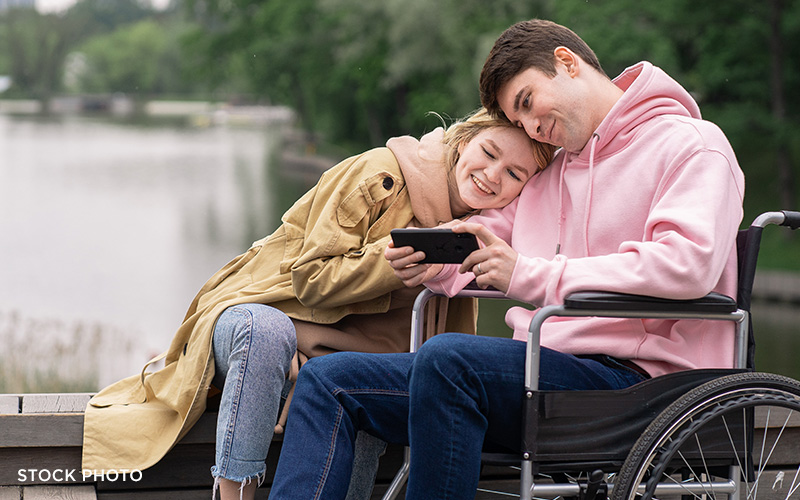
[713,306]
[712,303]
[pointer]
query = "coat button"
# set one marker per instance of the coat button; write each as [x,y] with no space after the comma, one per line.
[388,183]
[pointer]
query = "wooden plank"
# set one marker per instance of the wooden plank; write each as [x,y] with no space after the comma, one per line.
[775,486]
[776,416]
[55,403]
[85,492]
[13,460]
[9,403]
[66,429]
[186,466]
[174,494]
[10,493]
[787,451]
[204,431]
[487,491]
[36,430]
[189,466]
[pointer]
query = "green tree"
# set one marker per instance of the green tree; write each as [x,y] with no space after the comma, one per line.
[126,60]
[36,45]
[36,51]
[357,71]
[105,16]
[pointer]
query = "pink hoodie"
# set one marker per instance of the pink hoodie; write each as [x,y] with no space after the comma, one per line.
[651,206]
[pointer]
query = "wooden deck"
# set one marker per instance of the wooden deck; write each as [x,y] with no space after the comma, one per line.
[40,458]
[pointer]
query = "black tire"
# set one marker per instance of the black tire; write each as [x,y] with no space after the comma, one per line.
[707,430]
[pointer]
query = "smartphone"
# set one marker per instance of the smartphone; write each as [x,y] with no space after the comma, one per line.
[441,246]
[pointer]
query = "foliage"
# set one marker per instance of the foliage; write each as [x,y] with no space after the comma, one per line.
[35,49]
[36,45]
[126,60]
[139,59]
[358,72]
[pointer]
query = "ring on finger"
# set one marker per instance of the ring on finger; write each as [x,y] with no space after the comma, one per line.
[480,271]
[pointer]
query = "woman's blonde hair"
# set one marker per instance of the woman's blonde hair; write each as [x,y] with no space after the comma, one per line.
[462,131]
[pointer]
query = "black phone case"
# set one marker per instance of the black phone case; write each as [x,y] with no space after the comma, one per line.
[441,246]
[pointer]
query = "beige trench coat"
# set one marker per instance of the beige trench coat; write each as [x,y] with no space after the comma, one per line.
[324,264]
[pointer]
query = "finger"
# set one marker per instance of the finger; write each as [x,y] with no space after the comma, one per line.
[470,264]
[402,256]
[482,232]
[412,276]
[408,261]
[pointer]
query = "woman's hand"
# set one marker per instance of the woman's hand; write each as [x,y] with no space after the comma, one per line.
[405,262]
[494,263]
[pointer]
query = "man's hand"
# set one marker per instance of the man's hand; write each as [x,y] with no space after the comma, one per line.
[494,263]
[405,262]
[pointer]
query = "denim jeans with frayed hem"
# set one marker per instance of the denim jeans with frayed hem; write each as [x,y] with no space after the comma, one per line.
[444,401]
[253,348]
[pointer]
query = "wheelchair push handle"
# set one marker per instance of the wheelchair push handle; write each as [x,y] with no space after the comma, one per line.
[791,219]
[788,218]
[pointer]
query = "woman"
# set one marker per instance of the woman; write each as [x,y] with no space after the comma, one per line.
[318,284]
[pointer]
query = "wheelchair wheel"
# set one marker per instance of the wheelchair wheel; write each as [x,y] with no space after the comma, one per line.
[738,426]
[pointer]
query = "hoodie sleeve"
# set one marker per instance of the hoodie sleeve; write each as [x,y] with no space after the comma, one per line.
[500,222]
[691,226]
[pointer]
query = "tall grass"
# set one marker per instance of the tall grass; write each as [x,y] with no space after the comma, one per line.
[53,355]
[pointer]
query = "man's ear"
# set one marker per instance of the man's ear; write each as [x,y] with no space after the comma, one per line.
[568,59]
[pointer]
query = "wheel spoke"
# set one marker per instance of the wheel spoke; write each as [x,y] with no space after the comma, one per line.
[763,465]
[794,486]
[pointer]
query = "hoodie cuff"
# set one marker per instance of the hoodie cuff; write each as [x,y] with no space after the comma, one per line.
[448,282]
[537,281]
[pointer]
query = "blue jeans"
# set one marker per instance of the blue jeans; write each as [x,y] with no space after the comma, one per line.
[253,348]
[444,401]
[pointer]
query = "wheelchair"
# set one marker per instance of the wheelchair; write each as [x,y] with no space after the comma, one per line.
[686,434]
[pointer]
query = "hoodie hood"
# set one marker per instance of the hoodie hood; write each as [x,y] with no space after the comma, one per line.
[423,165]
[649,93]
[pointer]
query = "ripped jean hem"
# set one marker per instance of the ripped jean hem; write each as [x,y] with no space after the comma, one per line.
[244,481]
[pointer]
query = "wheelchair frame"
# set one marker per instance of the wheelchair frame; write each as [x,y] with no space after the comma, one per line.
[615,305]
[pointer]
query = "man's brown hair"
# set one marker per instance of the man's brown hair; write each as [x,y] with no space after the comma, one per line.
[528,44]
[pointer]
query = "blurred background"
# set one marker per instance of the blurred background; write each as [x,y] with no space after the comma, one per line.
[143,144]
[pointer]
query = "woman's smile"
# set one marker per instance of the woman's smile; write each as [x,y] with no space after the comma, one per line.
[481,186]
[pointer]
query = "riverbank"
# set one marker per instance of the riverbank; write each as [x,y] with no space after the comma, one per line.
[198,113]
[781,287]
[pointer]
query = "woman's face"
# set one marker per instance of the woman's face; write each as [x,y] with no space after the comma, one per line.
[494,166]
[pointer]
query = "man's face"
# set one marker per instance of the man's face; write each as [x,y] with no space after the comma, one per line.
[552,110]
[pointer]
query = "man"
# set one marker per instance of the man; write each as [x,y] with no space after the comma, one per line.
[644,197]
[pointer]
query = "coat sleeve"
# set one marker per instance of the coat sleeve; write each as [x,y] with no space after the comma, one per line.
[335,244]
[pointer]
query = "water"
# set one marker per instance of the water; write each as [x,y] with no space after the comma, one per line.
[107,230]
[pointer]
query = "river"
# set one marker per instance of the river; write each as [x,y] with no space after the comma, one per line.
[108,229]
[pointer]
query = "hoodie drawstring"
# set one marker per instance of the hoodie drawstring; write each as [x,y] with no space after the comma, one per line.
[561,201]
[589,193]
